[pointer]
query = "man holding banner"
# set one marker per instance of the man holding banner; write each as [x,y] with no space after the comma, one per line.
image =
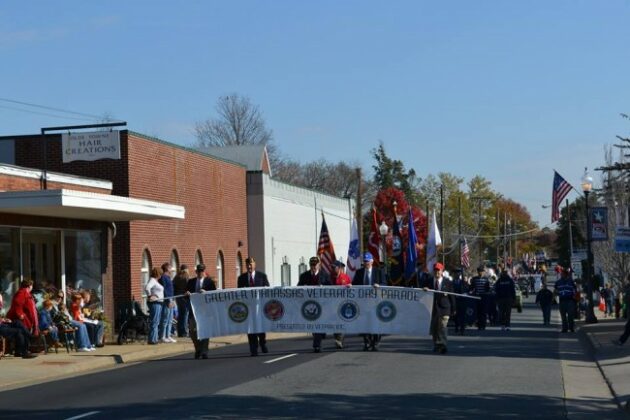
[199,284]
[315,277]
[443,307]
[369,276]
[253,278]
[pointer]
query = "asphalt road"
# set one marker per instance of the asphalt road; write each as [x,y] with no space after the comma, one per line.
[487,374]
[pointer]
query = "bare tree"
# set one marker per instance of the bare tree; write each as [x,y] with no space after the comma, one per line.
[238,122]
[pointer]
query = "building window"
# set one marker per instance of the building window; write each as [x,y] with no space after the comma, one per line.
[239,264]
[9,265]
[41,261]
[7,151]
[220,273]
[145,274]
[174,263]
[83,264]
[198,258]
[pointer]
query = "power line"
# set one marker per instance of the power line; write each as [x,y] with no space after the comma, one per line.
[50,108]
[46,114]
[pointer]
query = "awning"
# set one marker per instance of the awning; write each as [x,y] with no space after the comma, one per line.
[71,204]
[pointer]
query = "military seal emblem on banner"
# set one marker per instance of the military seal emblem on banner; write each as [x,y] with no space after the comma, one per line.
[238,312]
[273,310]
[311,310]
[386,311]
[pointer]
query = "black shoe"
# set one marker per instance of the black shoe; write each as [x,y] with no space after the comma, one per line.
[563,331]
[197,354]
[374,348]
[365,347]
[443,350]
[317,349]
[29,355]
[253,354]
[204,356]
[264,348]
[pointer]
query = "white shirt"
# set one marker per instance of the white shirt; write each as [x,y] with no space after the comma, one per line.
[154,288]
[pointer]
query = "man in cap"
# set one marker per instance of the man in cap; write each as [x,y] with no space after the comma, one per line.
[253,278]
[565,290]
[315,277]
[340,278]
[199,284]
[443,307]
[368,275]
[480,286]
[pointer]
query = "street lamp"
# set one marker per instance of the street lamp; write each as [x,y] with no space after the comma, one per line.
[383,229]
[587,186]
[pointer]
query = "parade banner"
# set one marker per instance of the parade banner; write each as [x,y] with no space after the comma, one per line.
[599,223]
[330,309]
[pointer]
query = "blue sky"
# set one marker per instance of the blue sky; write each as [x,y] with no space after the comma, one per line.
[504,89]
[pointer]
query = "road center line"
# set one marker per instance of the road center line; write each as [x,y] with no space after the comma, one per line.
[81,416]
[281,358]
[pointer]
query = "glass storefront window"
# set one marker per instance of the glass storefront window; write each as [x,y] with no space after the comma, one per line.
[9,265]
[41,261]
[83,264]
[220,279]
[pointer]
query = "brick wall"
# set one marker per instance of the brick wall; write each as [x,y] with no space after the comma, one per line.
[18,183]
[212,191]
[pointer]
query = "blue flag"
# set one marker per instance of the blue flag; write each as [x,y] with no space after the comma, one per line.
[412,252]
[396,262]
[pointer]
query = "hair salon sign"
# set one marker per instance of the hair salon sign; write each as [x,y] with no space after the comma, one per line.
[90,146]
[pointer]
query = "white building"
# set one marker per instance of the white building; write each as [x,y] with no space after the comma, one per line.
[284,223]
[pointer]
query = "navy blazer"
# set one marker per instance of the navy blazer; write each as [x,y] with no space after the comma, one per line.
[307,279]
[378,277]
[207,284]
[443,305]
[260,280]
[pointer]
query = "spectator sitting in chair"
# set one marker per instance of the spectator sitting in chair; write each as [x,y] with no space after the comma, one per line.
[46,324]
[8,330]
[88,314]
[63,320]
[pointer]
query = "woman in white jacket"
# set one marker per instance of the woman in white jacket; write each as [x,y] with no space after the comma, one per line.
[155,294]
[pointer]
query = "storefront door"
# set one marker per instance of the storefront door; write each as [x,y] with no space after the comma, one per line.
[41,257]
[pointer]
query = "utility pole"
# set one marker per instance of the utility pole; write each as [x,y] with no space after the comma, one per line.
[358,210]
[570,231]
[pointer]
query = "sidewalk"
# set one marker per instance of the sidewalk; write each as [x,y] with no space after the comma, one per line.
[16,372]
[613,361]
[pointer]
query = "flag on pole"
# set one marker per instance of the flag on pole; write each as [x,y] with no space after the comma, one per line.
[353,263]
[396,262]
[325,249]
[465,254]
[412,251]
[374,239]
[560,190]
[433,241]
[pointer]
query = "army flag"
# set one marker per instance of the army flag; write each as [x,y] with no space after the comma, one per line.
[374,239]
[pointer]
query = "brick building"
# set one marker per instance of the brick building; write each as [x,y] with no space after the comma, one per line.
[211,191]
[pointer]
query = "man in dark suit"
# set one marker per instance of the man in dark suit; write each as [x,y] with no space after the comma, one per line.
[443,307]
[253,278]
[315,277]
[368,275]
[199,284]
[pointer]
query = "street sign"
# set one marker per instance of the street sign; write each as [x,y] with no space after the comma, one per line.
[622,239]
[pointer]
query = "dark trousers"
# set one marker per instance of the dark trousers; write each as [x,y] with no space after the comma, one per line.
[546,310]
[201,346]
[567,313]
[19,334]
[460,317]
[371,340]
[505,311]
[626,332]
[317,340]
[482,312]
[183,311]
[95,332]
[255,340]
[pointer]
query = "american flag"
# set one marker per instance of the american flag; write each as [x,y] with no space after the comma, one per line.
[560,190]
[325,249]
[465,254]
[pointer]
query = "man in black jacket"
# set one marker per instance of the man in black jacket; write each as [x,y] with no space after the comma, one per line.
[315,277]
[199,284]
[369,276]
[443,307]
[253,278]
